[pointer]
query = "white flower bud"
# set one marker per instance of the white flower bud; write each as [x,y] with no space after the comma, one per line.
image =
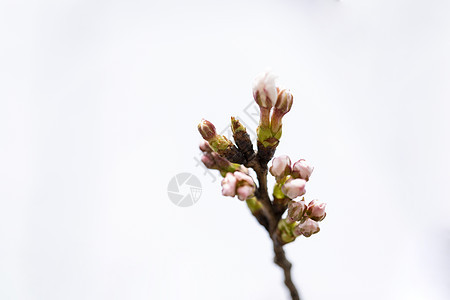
[244,192]
[281,166]
[229,185]
[307,228]
[265,90]
[284,101]
[294,188]
[239,184]
[302,169]
[316,210]
[296,210]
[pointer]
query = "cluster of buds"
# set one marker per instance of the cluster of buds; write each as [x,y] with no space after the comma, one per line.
[291,180]
[301,219]
[212,160]
[231,158]
[281,167]
[239,184]
[285,217]
[219,143]
[273,104]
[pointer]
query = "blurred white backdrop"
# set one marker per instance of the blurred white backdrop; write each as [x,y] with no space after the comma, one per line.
[99,103]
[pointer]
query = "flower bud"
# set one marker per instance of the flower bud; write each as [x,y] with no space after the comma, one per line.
[316,210]
[281,166]
[244,178]
[302,169]
[221,162]
[284,101]
[296,210]
[208,161]
[207,129]
[294,188]
[239,184]
[204,146]
[244,192]
[229,185]
[265,90]
[282,107]
[307,228]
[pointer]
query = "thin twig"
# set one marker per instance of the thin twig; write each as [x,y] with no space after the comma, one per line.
[273,218]
[269,215]
[283,262]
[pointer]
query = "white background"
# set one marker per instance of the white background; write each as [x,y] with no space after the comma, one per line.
[99,102]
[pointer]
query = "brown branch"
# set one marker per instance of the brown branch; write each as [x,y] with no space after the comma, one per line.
[270,215]
[273,217]
[283,262]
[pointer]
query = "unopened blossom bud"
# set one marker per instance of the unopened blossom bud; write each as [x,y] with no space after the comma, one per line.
[244,178]
[265,94]
[296,210]
[284,101]
[244,192]
[293,188]
[307,228]
[219,143]
[281,166]
[246,186]
[302,169]
[239,184]
[282,107]
[265,90]
[229,185]
[208,161]
[207,129]
[204,146]
[221,162]
[316,210]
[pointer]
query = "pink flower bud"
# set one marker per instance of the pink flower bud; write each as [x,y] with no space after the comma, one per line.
[284,101]
[221,162]
[244,178]
[208,161]
[238,183]
[265,90]
[307,228]
[302,169]
[281,166]
[296,210]
[294,188]
[229,185]
[282,107]
[244,192]
[316,210]
[207,129]
[204,146]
